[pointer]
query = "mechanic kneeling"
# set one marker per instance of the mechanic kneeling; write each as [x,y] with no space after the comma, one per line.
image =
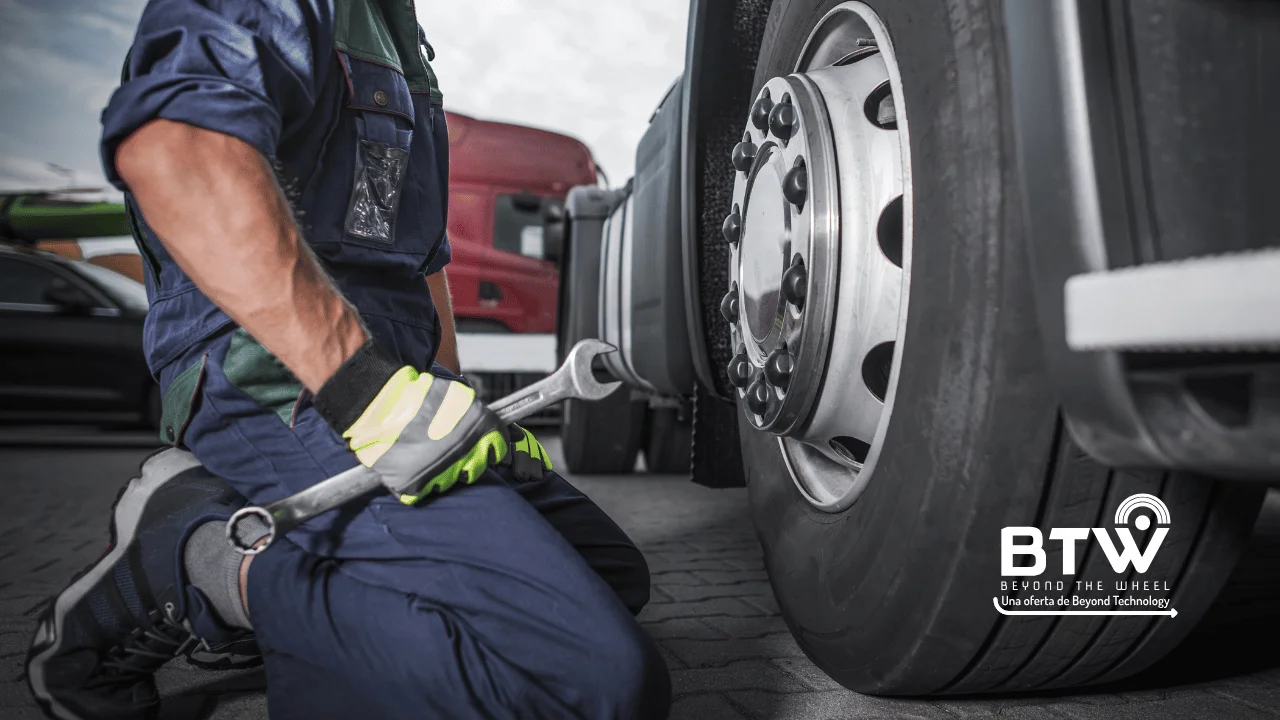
[292,331]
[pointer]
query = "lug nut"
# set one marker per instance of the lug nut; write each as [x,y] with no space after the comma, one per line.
[732,227]
[760,112]
[739,370]
[744,154]
[782,120]
[758,397]
[795,283]
[729,305]
[795,186]
[778,368]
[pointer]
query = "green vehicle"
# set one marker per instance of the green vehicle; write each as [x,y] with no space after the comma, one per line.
[35,216]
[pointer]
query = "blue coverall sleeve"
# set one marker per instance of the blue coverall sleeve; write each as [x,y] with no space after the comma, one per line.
[245,68]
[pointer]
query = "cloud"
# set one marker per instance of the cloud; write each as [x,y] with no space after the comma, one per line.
[18,15]
[119,29]
[594,70]
[26,173]
[86,85]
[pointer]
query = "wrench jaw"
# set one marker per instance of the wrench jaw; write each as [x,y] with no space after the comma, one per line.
[233,536]
[579,361]
[597,390]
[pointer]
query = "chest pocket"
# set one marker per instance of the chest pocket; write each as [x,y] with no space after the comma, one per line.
[381,110]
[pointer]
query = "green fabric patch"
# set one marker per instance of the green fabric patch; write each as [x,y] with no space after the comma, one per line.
[257,373]
[179,399]
[386,32]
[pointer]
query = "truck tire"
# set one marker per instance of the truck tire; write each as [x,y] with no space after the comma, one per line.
[668,443]
[889,587]
[602,437]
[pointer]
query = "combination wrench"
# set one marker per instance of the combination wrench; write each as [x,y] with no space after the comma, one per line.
[573,379]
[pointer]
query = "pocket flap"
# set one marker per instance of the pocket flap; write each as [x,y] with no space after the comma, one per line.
[376,88]
[179,400]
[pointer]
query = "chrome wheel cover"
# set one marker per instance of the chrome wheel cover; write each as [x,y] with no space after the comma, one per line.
[820,251]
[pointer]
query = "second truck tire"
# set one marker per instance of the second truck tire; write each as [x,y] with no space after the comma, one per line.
[600,437]
[668,442]
[893,595]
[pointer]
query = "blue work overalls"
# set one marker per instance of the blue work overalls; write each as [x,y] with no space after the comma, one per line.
[498,599]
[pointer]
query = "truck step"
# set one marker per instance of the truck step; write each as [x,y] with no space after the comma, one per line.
[1224,303]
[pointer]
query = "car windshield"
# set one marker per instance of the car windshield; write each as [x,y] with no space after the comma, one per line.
[125,291]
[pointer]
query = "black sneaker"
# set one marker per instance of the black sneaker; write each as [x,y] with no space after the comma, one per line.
[99,642]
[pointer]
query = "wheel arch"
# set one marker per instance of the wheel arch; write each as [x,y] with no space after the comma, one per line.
[716,96]
[722,46]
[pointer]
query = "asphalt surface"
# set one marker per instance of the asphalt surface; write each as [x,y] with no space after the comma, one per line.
[712,610]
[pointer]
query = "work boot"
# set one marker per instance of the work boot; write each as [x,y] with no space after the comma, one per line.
[100,641]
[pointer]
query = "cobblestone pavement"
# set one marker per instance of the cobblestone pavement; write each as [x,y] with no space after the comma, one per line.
[712,611]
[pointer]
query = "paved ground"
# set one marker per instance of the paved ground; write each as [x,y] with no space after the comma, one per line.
[729,652]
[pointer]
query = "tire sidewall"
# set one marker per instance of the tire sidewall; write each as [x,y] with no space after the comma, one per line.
[894,594]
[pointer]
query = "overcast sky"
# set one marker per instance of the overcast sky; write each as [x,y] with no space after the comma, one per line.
[593,69]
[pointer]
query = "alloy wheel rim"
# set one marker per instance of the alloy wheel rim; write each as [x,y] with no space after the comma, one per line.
[819,234]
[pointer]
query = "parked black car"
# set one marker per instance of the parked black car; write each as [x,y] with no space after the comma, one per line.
[71,341]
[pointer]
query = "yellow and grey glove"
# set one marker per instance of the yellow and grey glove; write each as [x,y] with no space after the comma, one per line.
[422,434]
[527,459]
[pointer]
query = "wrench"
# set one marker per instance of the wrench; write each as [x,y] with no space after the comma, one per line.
[573,379]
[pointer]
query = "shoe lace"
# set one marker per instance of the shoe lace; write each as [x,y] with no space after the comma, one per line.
[144,650]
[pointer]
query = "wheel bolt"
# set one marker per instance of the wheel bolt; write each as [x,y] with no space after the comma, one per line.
[778,368]
[739,370]
[744,154]
[760,112]
[795,186]
[732,227]
[758,397]
[795,283]
[782,120]
[729,305]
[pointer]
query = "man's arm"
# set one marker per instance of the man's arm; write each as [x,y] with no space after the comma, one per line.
[214,202]
[447,353]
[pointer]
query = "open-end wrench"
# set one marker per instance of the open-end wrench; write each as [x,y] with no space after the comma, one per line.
[573,379]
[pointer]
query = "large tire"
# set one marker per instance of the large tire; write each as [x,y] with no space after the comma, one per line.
[894,594]
[668,446]
[601,437]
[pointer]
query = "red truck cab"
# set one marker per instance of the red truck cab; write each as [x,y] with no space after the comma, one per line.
[507,182]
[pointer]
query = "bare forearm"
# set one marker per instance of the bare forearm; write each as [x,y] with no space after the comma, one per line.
[215,204]
[447,354]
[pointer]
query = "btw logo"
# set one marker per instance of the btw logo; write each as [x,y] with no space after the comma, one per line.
[1120,559]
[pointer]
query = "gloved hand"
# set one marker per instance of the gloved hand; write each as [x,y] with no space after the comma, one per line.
[423,434]
[527,458]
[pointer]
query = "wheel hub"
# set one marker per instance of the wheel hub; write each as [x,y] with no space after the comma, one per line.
[819,238]
[766,252]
